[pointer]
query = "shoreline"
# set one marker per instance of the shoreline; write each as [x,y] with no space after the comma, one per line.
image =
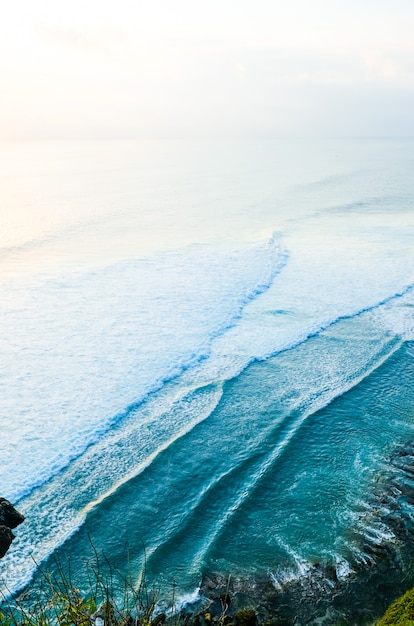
[321,596]
[381,568]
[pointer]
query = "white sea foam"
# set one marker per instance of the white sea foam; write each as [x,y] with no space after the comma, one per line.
[93,346]
[83,345]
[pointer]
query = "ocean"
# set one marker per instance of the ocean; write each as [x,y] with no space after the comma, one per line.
[206,353]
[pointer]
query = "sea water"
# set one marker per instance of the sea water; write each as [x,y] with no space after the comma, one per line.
[206,356]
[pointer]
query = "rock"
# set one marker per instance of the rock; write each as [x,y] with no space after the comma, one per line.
[6,537]
[160,619]
[105,615]
[225,600]
[9,516]
[277,621]
[246,617]
[330,573]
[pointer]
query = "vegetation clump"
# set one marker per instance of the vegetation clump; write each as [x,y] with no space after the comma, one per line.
[110,600]
[246,617]
[401,612]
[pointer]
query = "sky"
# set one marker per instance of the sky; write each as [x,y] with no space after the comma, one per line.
[91,69]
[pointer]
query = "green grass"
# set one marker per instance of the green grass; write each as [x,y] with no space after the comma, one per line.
[109,599]
[401,612]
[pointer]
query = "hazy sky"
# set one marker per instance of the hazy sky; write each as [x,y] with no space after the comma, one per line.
[131,68]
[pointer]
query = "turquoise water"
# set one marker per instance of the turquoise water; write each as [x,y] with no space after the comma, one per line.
[207,352]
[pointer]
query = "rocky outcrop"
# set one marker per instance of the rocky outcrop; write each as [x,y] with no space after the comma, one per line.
[9,518]
[6,537]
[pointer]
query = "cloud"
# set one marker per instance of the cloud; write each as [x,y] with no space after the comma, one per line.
[103,40]
[393,67]
[132,68]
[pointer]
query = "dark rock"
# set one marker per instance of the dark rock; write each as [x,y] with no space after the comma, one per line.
[330,573]
[225,600]
[6,537]
[246,617]
[106,612]
[160,619]
[276,620]
[9,516]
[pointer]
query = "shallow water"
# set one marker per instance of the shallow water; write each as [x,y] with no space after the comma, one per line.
[206,351]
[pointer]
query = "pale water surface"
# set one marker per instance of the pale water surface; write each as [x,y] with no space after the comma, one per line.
[205,350]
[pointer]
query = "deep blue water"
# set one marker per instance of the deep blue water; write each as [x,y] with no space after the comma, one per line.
[206,351]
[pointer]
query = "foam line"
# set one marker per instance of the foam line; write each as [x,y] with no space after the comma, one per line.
[274,245]
[248,488]
[258,473]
